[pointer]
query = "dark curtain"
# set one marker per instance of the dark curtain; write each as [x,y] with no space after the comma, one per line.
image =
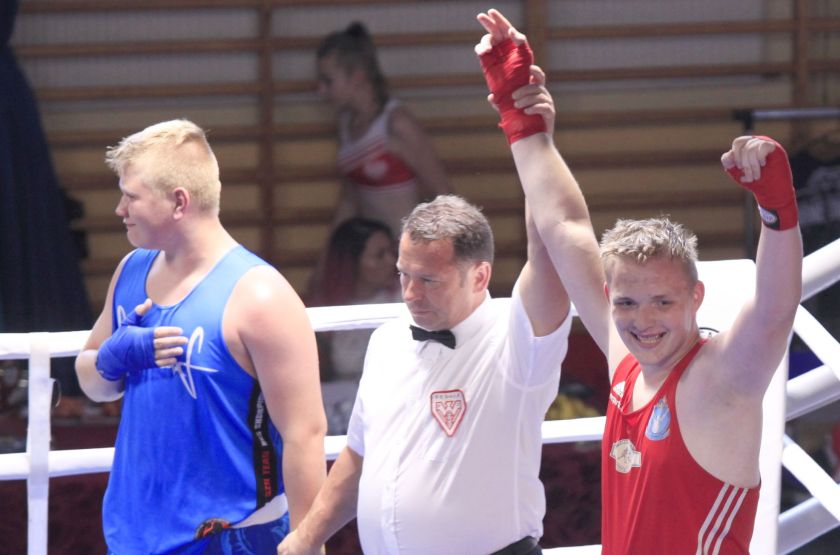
[41,285]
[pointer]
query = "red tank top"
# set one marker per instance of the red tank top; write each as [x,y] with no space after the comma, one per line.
[656,499]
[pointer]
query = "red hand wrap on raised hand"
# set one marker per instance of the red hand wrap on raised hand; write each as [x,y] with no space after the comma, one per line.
[507,67]
[774,190]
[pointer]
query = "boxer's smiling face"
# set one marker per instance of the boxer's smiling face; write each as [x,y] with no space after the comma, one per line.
[654,308]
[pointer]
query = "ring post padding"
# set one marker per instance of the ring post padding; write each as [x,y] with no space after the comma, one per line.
[38,441]
[765,535]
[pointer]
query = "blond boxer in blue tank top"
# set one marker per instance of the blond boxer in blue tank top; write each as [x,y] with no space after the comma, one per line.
[220,445]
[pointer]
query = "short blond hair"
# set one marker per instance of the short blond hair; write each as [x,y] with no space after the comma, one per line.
[172,154]
[641,240]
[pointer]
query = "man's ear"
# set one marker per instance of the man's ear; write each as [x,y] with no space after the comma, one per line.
[482,275]
[182,201]
[698,294]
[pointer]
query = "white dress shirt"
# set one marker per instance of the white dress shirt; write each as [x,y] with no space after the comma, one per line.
[451,438]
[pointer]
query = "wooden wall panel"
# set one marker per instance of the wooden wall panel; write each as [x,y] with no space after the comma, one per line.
[645,98]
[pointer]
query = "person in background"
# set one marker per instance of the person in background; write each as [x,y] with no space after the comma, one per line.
[359,268]
[386,161]
[221,441]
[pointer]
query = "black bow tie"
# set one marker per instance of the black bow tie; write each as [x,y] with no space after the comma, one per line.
[444,337]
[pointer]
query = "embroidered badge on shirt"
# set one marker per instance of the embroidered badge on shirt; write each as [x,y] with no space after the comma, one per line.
[626,456]
[448,408]
[659,423]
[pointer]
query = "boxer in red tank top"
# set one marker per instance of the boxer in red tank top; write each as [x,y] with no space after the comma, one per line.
[691,509]
[681,448]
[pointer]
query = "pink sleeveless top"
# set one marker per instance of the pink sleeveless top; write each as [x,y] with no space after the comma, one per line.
[384,186]
[366,161]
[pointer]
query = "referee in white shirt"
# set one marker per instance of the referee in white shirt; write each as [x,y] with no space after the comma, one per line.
[444,441]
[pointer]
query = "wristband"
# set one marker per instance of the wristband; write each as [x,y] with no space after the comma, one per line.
[130,347]
[773,191]
[507,67]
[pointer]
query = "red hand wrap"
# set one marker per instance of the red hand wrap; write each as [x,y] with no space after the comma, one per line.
[774,190]
[507,68]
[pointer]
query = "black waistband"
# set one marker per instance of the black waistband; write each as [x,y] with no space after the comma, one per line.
[521,547]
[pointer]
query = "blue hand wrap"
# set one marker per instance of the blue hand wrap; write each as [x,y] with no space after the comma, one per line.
[130,347]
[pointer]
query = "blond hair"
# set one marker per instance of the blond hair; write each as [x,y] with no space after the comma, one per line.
[171,154]
[641,240]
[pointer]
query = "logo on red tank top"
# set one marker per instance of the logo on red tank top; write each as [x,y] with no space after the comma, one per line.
[448,408]
[626,456]
[659,423]
[617,394]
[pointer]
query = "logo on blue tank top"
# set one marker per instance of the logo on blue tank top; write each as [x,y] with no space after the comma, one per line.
[184,369]
[659,423]
[121,315]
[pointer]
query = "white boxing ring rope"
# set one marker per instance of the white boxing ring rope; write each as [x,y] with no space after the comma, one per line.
[780,533]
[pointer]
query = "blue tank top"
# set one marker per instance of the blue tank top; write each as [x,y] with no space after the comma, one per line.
[195,445]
